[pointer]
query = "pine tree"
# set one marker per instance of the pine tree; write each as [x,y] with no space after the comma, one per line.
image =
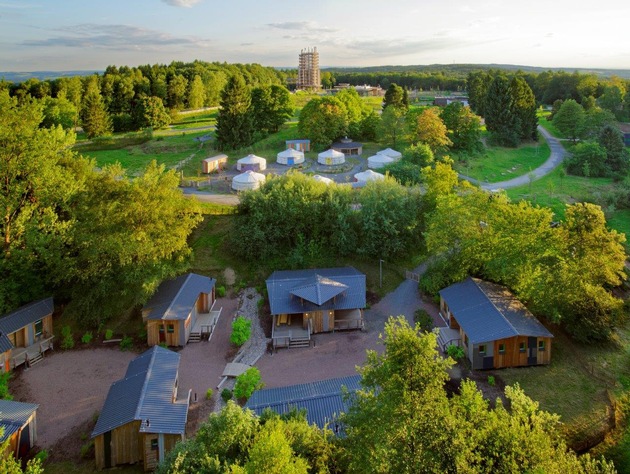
[396,96]
[501,120]
[94,118]
[234,123]
[524,107]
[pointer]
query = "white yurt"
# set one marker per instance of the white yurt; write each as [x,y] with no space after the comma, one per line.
[322,179]
[368,175]
[331,157]
[290,157]
[251,163]
[378,161]
[396,155]
[247,180]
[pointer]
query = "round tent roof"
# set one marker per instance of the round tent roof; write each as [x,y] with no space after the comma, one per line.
[331,157]
[322,179]
[378,161]
[247,180]
[368,175]
[396,155]
[251,159]
[330,153]
[290,156]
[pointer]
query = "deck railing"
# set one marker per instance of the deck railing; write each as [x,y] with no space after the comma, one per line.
[343,324]
[22,355]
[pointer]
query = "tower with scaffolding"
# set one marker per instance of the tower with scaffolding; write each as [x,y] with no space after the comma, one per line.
[308,70]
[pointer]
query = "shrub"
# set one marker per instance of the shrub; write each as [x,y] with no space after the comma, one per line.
[87,450]
[226,394]
[423,319]
[491,380]
[163,344]
[126,343]
[209,394]
[67,341]
[248,382]
[87,337]
[4,386]
[42,455]
[220,291]
[241,331]
[109,334]
[455,352]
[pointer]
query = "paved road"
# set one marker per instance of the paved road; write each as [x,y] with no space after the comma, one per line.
[558,154]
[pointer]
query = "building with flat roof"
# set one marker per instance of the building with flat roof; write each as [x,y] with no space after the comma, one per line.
[308,70]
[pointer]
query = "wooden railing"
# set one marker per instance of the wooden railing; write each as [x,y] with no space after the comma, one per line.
[342,324]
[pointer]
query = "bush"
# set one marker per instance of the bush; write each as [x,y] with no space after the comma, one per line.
[126,343]
[87,450]
[248,382]
[109,334]
[67,341]
[209,394]
[220,291]
[423,319]
[87,337]
[455,352]
[241,331]
[226,395]
[4,386]
[491,380]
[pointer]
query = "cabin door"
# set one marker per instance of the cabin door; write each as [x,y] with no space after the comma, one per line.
[107,444]
[25,442]
[532,358]
[162,337]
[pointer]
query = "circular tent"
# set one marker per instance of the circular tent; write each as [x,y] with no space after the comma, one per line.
[290,157]
[322,179]
[251,163]
[396,155]
[247,180]
[368,175]
[331,157]
[378,161]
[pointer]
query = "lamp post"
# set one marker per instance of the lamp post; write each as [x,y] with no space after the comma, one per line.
[380,273]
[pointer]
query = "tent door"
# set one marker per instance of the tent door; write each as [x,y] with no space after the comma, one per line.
[290,161]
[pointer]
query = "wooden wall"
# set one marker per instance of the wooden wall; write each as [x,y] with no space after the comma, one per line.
[514,357]
[152,456]
[153,332]
[125,446]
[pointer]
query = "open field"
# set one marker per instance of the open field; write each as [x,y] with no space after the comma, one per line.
[201,119]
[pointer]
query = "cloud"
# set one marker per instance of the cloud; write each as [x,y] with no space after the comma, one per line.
[304,26]
[403,46]
[181,3]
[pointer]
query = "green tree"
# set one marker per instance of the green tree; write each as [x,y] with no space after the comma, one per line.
[588,159]
[420,155]
[396,96]
[477,85]
[95,120]
[524,108]
[234,122]
[150,112]
[392,126]
[247,383]
[463,126]
[176,91]
[501,119]
[611,139]
[271,452]
[430,130]
[356,110]
[196,93]
[328,80]
[59,111]
[323,120]
[612,100]
[271,108]
[570,119]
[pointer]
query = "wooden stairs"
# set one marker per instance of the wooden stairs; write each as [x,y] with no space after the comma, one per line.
[38,357]
[300,342]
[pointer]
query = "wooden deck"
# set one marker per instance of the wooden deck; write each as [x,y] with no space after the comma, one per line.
[351,319]
[204,325]
[286,335]
[31,354]
[447,337]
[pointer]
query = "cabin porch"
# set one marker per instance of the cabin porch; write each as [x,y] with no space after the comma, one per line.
[290,331]
[32,354]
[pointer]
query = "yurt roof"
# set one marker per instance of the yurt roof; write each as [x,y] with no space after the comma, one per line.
[252,159]
[249,177]
[322,179]
[291,153]
[369,175]
[389,152]
[330,153]
[381,158]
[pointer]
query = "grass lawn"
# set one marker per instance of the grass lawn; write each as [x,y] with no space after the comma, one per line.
[501,164]
[203,119]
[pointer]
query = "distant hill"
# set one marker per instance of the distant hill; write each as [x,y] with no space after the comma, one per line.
[42,75]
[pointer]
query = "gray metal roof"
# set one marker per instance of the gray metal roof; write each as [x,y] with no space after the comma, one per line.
[146,393]
[220,157]
[5,343]
[14,415]
[175,299]
[281,286]
[342,145]
[301,140]
[322,400]
[26,315]
[487,312]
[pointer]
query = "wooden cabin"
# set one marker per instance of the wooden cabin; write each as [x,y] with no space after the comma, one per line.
[19,425]
[494,328]
[25,334]
[142,419]
[214,163]
[303,145]
[306,302]
[179,310]
[348,147]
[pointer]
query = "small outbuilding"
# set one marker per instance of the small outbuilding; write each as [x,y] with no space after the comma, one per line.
[396,155]
[214,163]
[290,157]
[322,179]
[142,418]
[251,163]
[247,181]
[331,157]
[302,145]
[348,147]
[379,161]
[366,176]
[19,423]
[179,310]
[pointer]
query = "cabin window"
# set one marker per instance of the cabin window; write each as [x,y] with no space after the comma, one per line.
[170,328]
[521,347]
[501,348]
[154,444]
[482,349]
[39,327]
[541,345]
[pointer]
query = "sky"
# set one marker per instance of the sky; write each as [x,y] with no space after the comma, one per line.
[60,35]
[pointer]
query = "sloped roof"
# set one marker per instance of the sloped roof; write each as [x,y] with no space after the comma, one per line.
[146,393]
[5,343]
[251,159]
[290,153]
[322,179]
[14,415]
[487,312]
[174,299]
[216,158]
[390,152]
[249,176]
[330,153]
[281,286]
[26,315]
[322,400]
[369,175]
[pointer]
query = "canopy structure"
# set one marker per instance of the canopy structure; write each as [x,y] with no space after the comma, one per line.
[247,180]
[331,157]
[368,175]
[378,161]
[290,157]
[396,155]
[322,179]
[251,162]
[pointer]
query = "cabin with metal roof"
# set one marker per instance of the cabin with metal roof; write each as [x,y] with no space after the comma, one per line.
[303,145]
[25,334]
[348,147]
[180,310]
[494,328]
[19,425]
[323,400]
[306,302]
[142,418]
